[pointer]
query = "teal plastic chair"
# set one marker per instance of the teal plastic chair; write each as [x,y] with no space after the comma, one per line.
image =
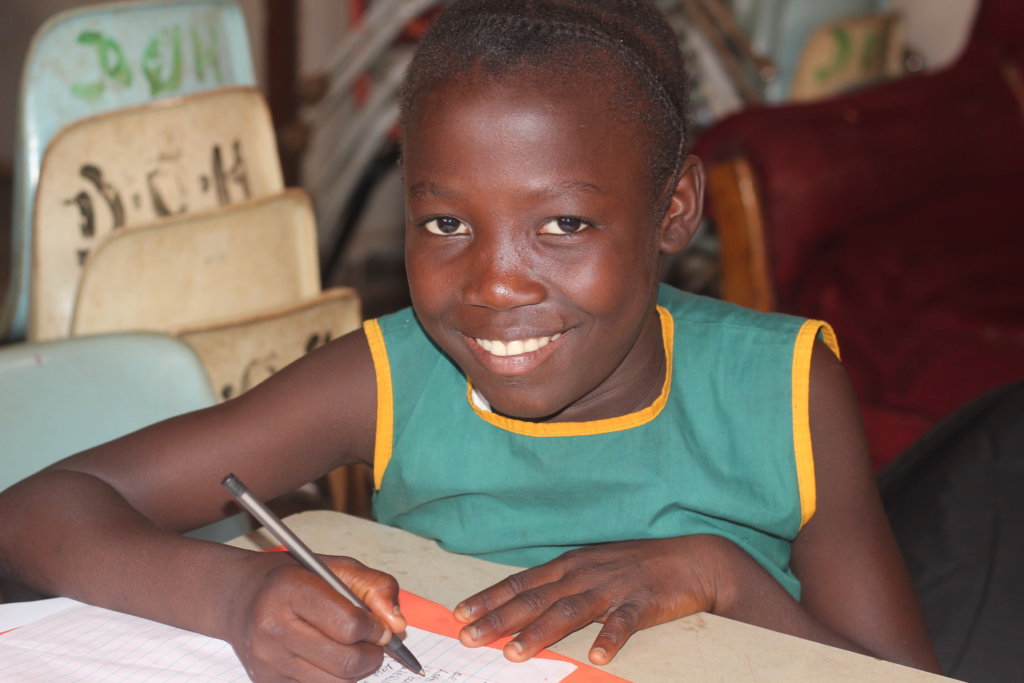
[94,59]
[61,397]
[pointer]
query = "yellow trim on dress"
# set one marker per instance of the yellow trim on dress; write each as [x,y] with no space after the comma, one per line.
[802,446]
[611,424]
[385,401]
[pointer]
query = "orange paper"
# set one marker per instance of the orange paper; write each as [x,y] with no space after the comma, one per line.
[430,616]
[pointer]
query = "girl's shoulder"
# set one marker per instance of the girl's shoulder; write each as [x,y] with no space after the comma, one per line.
[698,309]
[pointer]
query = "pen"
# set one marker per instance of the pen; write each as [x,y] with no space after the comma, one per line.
[301,552]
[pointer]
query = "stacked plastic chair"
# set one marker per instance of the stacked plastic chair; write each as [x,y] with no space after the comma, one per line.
[172,215]
[151,204]
[97,59]
[108,174]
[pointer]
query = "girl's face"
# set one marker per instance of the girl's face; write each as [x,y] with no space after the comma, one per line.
[532,249]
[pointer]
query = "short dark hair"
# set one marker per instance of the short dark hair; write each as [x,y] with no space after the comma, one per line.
[499,36]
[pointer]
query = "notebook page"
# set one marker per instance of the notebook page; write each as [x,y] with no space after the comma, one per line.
[86,643]
[15,614]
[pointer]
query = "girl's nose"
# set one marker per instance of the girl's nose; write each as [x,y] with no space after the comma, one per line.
[500,277]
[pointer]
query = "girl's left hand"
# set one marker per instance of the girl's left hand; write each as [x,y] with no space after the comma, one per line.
[629,586]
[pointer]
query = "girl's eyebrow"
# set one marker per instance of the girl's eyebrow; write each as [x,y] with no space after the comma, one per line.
[553,190]
[569,188]
[427,187]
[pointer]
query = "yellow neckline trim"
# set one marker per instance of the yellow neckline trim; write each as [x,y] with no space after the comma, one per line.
[802,446]
[611,424]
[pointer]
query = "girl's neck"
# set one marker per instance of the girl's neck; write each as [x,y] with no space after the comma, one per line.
[634,385]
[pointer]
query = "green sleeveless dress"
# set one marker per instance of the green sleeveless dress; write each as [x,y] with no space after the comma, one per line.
[725,449]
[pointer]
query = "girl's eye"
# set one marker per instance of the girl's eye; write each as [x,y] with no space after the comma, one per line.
[446,225]
[564,225]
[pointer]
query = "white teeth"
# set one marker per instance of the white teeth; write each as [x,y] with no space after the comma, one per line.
[516,347]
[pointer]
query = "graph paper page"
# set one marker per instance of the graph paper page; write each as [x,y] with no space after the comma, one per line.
[86,643]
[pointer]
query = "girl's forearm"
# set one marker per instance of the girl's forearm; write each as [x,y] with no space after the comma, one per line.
[748,593]
[91,545]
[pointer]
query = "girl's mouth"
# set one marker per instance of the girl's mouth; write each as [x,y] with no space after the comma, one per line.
[515,347]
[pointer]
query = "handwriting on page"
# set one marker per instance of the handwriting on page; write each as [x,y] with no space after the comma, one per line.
[86,643]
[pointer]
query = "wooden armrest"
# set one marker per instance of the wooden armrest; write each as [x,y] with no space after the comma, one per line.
[734,195]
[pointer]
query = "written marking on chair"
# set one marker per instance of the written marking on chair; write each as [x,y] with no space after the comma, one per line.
[163,62]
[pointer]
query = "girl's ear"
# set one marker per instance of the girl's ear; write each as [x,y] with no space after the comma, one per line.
[682,218]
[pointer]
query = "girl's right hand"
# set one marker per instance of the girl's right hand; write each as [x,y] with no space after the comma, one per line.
[293,626]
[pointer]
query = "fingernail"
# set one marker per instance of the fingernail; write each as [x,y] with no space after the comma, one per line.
[397,611]
[599,654]
[385,639]
[516,646]
[464,611]
[473,632]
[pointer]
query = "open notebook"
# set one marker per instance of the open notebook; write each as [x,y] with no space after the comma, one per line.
[70,641]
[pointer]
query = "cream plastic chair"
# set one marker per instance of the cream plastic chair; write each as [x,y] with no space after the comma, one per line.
[237,261]
[239,354]
[240,285]
[133,166]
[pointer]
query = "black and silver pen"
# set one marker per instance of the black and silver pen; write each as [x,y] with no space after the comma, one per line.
[301,552]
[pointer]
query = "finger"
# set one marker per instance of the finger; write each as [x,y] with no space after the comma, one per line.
[296,669]
[336,618]
[377,590]
[500,593]
[331,660]
[626,620]
[562,617]
[511,616]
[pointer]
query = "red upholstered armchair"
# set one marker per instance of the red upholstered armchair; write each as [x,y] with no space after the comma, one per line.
[897,214]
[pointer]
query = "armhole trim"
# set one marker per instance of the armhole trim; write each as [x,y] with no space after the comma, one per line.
[803,448]
[385,401]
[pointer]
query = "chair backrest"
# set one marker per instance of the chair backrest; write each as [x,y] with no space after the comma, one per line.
[137,165]
[61,397]
[235,261]
[896,147]
[849,53]
[241,353]
[999,25]
[779,29]
[955,500]
[103,57]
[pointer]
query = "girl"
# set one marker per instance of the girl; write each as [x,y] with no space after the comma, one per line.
[544,403]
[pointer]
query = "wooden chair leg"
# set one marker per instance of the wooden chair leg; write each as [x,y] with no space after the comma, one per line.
[351,489]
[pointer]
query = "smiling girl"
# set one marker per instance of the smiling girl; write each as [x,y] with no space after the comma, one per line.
[545,402]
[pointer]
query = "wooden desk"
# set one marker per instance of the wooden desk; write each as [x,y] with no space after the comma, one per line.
[702,647]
